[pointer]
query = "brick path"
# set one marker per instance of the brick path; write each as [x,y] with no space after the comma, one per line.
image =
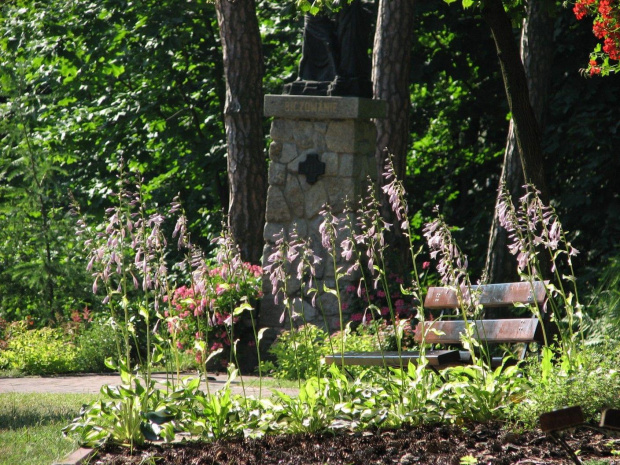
[92,384]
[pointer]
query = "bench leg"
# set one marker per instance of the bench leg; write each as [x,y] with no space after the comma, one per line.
[560,440]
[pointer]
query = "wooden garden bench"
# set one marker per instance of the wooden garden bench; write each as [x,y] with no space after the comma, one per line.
[447,332]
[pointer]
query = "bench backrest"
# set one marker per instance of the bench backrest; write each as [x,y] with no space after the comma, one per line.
[490,295]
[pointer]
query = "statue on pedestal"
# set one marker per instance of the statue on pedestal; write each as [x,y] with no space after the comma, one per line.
[335,58]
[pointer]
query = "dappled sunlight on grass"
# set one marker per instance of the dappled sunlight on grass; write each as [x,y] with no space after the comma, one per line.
[30,426]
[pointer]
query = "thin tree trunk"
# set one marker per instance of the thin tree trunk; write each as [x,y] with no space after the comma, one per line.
[526,127]
[243,115]
[391,67]
[536,54]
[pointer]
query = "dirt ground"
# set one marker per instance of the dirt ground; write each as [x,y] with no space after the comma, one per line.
[450,445]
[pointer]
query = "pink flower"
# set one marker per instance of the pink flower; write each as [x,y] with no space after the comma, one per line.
[216,345]
[357,317]
[426,265]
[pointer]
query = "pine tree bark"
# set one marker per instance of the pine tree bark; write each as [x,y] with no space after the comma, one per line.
[536,55]
[243,116]
[391,68]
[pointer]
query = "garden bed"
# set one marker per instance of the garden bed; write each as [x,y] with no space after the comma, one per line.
[453,445]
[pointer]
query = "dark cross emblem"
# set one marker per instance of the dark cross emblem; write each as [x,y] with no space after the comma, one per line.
[312,167]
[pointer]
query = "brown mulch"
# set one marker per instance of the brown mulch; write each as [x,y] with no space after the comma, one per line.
[488,444]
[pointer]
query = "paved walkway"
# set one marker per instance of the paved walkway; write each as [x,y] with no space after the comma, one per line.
[91,384]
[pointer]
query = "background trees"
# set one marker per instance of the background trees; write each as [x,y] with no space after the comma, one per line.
[93,85]
[89,86]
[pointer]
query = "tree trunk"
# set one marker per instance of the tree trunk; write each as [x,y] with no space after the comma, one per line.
[526,128]
[536,54]
[243,115]
[391,66]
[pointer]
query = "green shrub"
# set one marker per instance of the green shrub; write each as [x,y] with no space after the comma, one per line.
[94,345]
[298,353]
[591,380]
[39,351]
[49,351]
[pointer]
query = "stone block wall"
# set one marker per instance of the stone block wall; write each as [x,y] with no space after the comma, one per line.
[341,133]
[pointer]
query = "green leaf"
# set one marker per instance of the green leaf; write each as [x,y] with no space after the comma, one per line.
[241,308]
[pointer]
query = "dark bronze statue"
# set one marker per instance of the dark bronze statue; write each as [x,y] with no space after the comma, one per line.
[335,59]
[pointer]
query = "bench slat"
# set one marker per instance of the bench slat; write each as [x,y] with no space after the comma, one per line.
[434,357]
[494,331]
[491,295]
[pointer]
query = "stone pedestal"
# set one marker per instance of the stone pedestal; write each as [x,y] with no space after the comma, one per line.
[322,153]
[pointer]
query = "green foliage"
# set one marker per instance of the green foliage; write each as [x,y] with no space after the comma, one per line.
[476,393]
[133,412]
[40,272]
[95,345]
[298,353]
[458,122]
[590,379]
[281,27]
[218,415]
[85,85]
[39,351]
[604,310]
[46,351]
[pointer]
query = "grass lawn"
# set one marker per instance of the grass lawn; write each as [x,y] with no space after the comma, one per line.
[30,423]
[30,426]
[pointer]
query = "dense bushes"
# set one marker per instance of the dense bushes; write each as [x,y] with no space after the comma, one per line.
[44,351]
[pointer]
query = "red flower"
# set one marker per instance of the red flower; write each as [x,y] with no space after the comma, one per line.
[611,48]
[600,28]
[580,10]
[594,68]
[604,8]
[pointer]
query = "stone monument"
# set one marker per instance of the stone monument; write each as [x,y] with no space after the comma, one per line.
[322,153]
